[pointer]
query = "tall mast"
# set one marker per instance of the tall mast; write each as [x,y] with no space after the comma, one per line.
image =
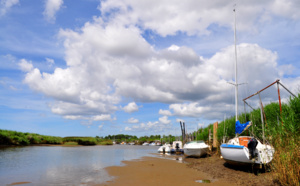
[236,81]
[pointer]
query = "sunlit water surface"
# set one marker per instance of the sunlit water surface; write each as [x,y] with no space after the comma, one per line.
[57,165]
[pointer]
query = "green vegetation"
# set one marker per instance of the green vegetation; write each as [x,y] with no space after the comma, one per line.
[88,140]
[8,137]
[282,130]
[119,138]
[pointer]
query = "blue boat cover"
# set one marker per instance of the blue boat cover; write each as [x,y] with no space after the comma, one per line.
[240,127]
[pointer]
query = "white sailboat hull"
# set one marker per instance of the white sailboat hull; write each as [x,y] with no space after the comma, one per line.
[234,153]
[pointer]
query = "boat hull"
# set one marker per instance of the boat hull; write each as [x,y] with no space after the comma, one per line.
[235,154]
[195,152]
[238,154]
[164,149]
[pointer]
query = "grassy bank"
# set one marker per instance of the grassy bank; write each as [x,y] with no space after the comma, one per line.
[8,137]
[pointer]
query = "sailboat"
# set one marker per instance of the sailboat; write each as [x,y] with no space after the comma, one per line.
[244,149]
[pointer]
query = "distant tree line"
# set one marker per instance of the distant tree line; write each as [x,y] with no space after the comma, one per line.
[139,140]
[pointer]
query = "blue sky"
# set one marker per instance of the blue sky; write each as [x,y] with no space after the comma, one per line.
[91,67]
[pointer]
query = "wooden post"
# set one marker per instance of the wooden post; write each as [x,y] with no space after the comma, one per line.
[215,138]
[209,136]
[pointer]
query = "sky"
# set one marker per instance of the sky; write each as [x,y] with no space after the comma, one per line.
[98,68]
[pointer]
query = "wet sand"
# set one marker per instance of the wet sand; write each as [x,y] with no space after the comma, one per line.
[165,171]
[158,171]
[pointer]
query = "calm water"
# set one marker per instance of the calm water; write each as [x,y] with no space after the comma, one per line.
[57,165]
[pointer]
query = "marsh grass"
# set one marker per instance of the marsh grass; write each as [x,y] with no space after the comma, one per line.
[8,137]
[88,141]
[71,143]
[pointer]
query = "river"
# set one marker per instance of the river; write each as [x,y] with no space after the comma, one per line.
[59,165]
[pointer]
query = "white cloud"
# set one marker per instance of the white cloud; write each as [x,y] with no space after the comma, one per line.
[74,117]
[109,61]
[162,125]
[100,127]
[128,129]
[133,120]
[164,120]
[131,107]
[50,62]
[52,6]
[25,65]
[5,6]
[179,120]
[165,112]
[102,117]
[195,16]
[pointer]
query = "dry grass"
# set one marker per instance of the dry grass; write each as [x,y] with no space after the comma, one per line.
[286,162]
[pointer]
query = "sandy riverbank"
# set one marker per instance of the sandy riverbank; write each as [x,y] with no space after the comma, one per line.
[165,171]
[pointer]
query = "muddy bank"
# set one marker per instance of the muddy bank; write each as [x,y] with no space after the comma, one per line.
[217,168]
[169,171]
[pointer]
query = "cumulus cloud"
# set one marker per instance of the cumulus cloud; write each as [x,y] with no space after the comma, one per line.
[52,6]
[165,112]
[167,18]
[25,65]
[164,120]
[108,61]
[131,107]
[5,6]
[133,120]
[157,126]
[102,117]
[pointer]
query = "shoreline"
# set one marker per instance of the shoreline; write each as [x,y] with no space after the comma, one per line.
[193,171]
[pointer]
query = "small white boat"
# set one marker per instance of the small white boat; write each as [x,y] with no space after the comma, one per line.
[195,148]
[146,144]
[152,144]
[166,148]
[177,147]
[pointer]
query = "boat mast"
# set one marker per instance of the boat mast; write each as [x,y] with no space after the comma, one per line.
[236,81]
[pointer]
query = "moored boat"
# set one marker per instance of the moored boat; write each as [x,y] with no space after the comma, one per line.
[246,149]
[146,144]
[177,147]
[166,148]
[195,148]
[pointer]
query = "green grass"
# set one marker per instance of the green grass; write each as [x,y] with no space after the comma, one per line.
[71,143]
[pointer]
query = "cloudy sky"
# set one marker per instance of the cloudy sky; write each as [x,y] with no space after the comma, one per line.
[91,67]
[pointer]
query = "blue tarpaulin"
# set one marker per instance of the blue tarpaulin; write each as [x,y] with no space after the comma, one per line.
[240,127]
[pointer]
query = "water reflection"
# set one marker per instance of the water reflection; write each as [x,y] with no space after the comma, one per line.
[57,165]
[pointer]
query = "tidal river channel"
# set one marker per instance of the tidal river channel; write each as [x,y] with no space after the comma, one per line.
[58,165]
